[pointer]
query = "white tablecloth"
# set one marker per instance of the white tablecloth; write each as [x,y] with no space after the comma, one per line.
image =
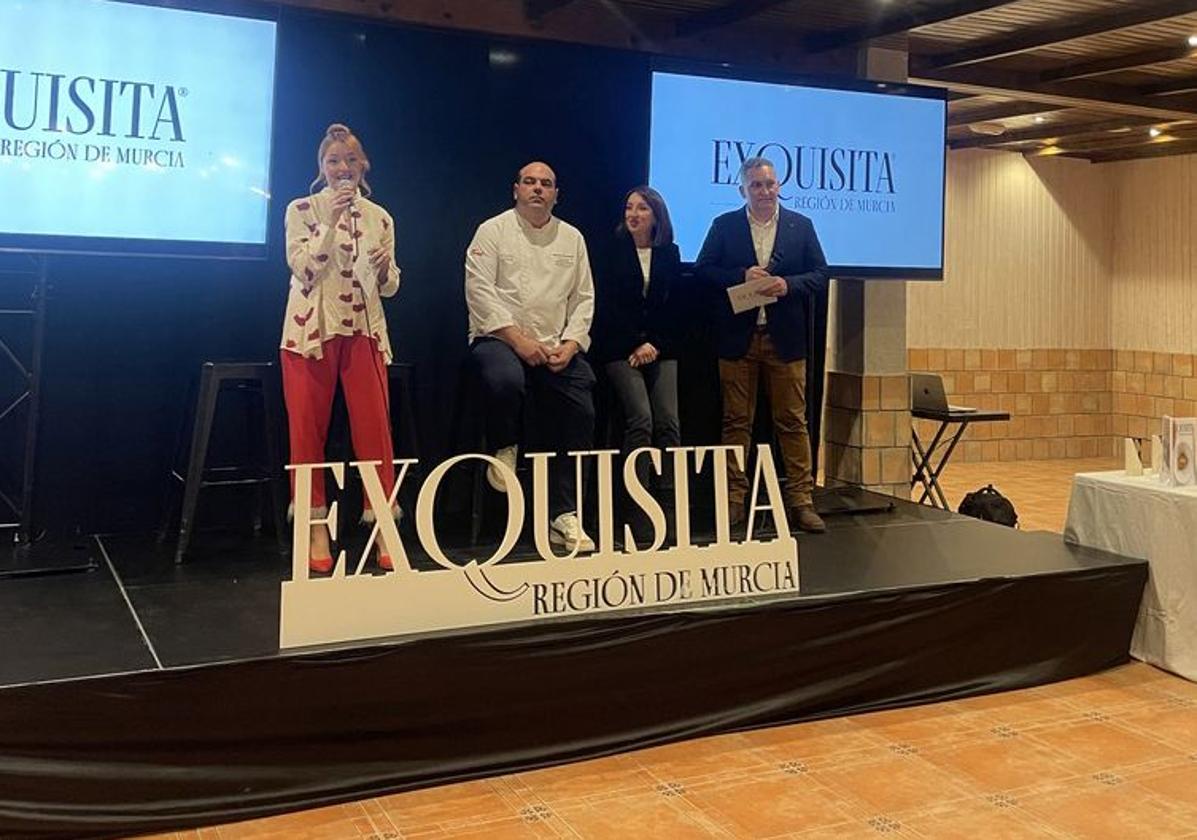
[1141,518]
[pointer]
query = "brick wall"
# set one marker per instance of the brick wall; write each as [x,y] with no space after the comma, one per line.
[1146,386]
[1061,402]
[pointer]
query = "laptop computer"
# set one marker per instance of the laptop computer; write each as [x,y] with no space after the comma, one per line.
[927,394]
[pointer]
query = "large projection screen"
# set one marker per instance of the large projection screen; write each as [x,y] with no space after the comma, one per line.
[134,128]
[867,166]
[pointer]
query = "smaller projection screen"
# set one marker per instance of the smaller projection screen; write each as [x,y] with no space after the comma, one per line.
[867,166]
[133,128]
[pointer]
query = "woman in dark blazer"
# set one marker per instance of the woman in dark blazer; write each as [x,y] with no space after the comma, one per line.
[633,328]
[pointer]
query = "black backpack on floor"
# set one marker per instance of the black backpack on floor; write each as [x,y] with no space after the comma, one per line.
[990,505]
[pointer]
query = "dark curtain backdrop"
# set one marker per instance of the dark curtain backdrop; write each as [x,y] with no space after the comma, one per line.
[447,120]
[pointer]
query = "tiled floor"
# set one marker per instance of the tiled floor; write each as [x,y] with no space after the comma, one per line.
[1039,489]
[1109,756]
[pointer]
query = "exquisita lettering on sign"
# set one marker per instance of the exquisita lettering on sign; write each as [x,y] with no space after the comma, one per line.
[352,605]
[802,168]
[54,103]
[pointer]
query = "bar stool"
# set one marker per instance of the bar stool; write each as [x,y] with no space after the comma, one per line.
[405,435]
[214,379]
[465,413]
[401,376]
[468,434]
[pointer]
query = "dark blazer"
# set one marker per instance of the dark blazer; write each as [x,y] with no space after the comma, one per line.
[727,253]
[624,317]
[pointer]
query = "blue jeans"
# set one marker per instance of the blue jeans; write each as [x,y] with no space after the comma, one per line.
[648,398]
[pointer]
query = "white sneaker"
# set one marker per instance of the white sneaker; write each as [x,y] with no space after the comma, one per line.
[493,476]
[566,531]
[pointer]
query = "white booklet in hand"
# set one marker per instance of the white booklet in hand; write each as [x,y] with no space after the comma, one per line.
[748,296]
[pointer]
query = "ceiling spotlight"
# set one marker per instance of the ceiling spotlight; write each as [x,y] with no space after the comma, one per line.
[1154,132]
[1193,40]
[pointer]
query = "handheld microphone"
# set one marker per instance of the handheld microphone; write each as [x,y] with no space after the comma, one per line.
[380,365]
[347,183]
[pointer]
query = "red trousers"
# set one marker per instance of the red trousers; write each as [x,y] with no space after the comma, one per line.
[309,386]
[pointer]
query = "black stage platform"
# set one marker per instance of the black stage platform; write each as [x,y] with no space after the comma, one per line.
[143,696]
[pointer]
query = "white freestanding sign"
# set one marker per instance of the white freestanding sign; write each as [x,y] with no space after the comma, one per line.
[1179,438]
[350,605]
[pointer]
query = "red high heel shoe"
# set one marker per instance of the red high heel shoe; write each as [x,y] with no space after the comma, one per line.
[384,561]
[320,565]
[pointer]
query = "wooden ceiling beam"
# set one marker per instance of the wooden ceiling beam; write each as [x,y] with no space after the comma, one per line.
[607,23]
[1036,37]
[1116,63]
[721,16]
[1118,142]
[1079,93]
[912,15]
[1185,84]
[535,10]
[1151,150]
[1020,108]
[1051,131]
[1000,111]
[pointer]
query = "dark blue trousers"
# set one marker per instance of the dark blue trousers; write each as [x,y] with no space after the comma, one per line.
[560,411]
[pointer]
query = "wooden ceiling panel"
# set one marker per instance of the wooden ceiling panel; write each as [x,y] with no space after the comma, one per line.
[1073,28]
[1007,20]
[1017,68]
[1172,31]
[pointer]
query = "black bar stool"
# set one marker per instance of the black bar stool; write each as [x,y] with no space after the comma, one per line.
[405,435]
[468,434]
[401,376]
[216,377]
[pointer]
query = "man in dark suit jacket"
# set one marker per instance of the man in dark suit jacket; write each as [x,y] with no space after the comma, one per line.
[766,243]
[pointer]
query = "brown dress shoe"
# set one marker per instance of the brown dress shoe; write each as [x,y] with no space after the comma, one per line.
[805,519]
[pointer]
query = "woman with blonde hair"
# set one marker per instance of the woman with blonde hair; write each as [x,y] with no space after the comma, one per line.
[341,252]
